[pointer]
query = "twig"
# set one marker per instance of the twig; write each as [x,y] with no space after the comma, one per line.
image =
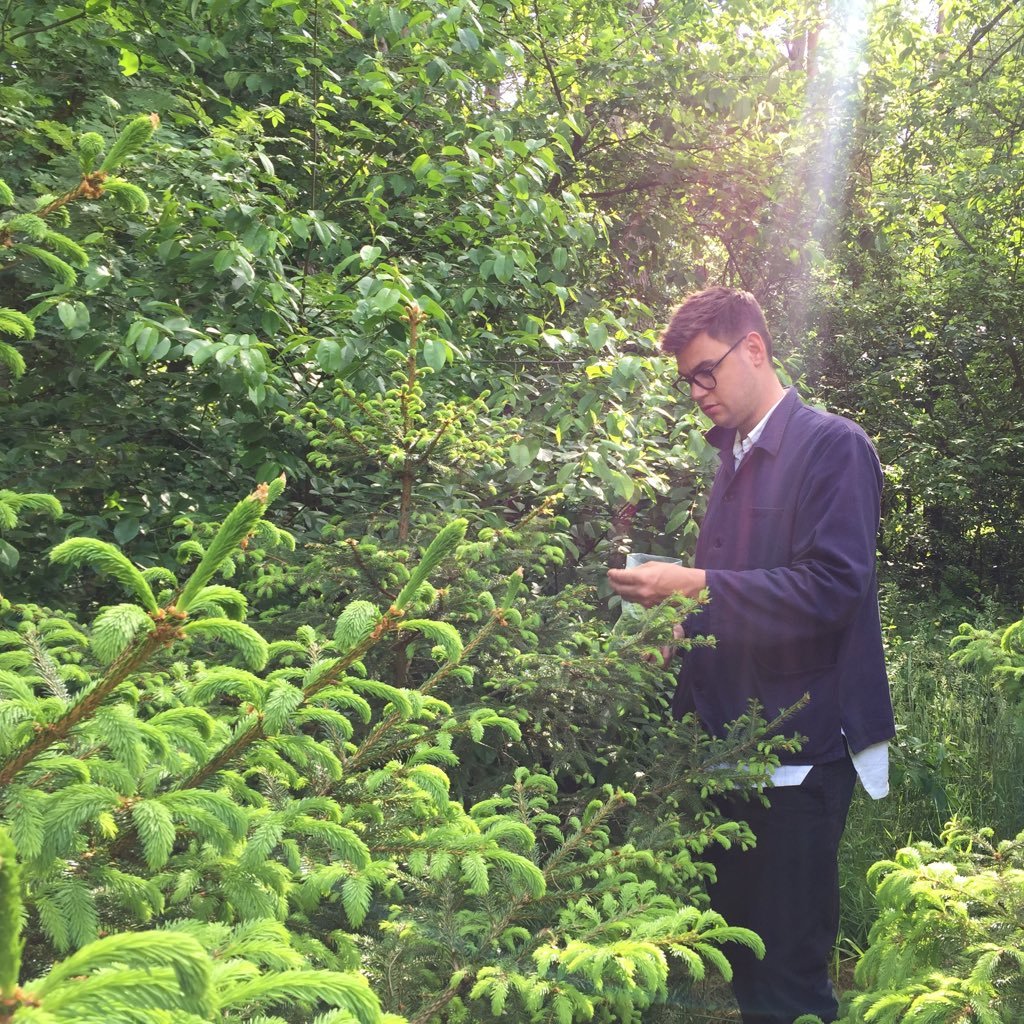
[547,60]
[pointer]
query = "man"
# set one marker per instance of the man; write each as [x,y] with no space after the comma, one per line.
[787,554]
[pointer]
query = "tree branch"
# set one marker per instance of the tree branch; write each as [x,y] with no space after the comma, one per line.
[44,28]
[649,184]
[959,234]
[547,62]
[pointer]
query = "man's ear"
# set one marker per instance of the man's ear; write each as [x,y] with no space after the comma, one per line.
[754,344]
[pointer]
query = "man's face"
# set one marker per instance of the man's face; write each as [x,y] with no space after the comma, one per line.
[732,400]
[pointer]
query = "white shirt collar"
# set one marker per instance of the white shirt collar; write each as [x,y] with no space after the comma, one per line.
[740,446]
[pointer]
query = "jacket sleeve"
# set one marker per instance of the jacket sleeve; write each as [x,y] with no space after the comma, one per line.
[832,564]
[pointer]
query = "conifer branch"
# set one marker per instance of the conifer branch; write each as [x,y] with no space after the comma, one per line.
[606,810]
[232,750]
[90,187]
[164,633]
[497,618]
[439,548]
[438,1003]
[224,757]
[372,415]
[367,750]
[353,546]
[436,439]
[233,533]
[47,669]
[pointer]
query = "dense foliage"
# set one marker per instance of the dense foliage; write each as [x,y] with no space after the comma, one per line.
[367,746]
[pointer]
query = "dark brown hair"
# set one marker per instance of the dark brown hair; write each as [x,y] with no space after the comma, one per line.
[724,313]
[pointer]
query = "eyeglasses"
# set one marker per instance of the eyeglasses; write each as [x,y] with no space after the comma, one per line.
[704,378]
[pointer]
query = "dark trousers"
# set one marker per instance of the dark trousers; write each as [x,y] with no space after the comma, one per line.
[787,890]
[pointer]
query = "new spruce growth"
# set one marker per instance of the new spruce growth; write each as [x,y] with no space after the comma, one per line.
[27,234]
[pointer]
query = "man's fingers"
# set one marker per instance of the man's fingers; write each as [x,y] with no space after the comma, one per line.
[625,584]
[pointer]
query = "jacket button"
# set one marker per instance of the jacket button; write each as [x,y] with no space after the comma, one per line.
[718,542]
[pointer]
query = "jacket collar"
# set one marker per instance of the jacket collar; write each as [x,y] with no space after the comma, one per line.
[771,437]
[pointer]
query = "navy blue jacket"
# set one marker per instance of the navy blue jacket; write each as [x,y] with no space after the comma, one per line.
[788,545]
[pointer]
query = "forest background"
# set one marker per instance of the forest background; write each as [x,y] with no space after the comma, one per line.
[383,754]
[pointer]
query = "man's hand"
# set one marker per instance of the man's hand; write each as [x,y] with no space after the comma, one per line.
[651,583]
[668,652]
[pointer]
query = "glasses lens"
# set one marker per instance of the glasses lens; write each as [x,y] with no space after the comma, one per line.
[704,379]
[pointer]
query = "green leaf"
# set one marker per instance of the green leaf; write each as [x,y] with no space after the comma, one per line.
[129,62]
[504,267]
[8,555]
[435,353]
[68,313]
[520,455]
[597,336]
[126,529]
[386,299]
[329,355]
[469,39]
[624,486]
